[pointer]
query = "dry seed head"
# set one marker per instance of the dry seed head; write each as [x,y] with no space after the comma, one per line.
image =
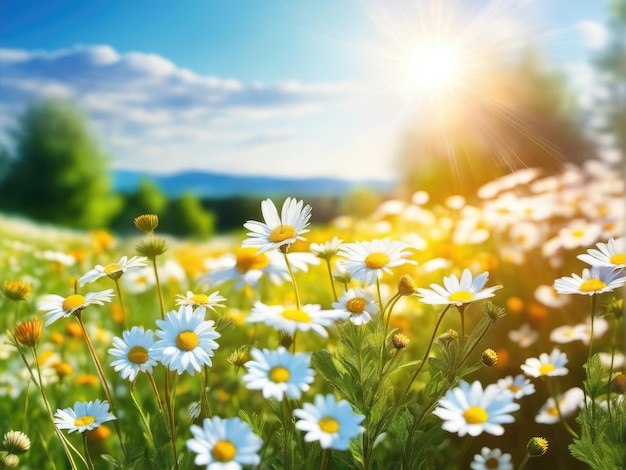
[407,285]
[493,311]
[15,442]
[17,290]
[537,446]
[239,356]
[489,357]
[29,333]
[147,222]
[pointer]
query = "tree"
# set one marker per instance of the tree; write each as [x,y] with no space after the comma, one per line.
[55,171]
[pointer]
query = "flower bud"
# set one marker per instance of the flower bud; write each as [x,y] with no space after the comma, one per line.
[151,248]
[493,311]
[537,446]
[489,357]
[147,223]
[400,341]
[29,333]
[16,290]
[407,285]
[284,339]
[15,442]
[239,356]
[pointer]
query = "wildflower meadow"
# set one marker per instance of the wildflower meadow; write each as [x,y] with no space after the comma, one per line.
[484,332]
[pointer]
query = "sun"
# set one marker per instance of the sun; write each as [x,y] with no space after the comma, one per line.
[433,67]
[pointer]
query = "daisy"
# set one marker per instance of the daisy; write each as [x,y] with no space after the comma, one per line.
[62,307]
[569,402]
[200,300]
[519,385]
[579,232]
[247,266]
[594,280]
[85,416]
[331,422]
[113,270]
[600,326]
[489,459]
[547,365]
[612,253]
[134,351]
[458,293]
[568,333]
[367,261]
[327,249]
[359,304]
[279,373]
[525,336]
[278,231]
[186,342]
[468,409]
[224,444]
[308,317]
[547,296]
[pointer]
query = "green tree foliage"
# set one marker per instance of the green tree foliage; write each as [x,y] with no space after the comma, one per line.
[148,199]
[186,217]
[519,115]
[55,170]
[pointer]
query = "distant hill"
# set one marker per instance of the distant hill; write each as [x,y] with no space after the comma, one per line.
[218,185]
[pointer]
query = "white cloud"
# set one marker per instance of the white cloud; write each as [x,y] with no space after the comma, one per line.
[595,34]
[150,113]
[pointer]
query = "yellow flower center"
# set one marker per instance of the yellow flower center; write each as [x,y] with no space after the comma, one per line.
[248,258]
[578,233]
[279,374]
[618,258]
[111,268]
[138,354]
[553,411]
[187,340]
[224,451]
[545,369]
[461,296]
[356,305]
[475,415]
[328,424]
[592,285]
[296,315]
[84,421]
[200,298]
[73,301]
[282,233]
[376,260]
[514,388]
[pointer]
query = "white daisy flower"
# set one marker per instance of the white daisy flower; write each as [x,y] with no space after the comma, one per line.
[186,342]
[139,280]
[525,336]
[491,459]
[85,416]
[594,280]
[367,261]
[468,409]
[201,300]
[247,266]
[113,270]
[549,297]
[62,307]
[568,333]
[547,365]
[457,292]
[569,402]
[308,317]
[224,444]
[327,249]
[519,385]
[600,326]
[278,231]
[616,361]
[279,373]
[579,232]
[134,350]
[332,423]
[359,304]
[612,253]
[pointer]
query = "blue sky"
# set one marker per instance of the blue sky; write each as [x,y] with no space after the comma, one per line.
[294,88]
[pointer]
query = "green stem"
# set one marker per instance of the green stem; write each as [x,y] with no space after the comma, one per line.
[593,312]
[427,353]
[204,396]
[121,299]
[171,400]
[156,393]
[325,459]
[287,431]
[523,464]
[461,310]
[137,404]
[332,282]
[103,379]
[608,384]
[558,409]
[293,279]
[87,454]
[158,285]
